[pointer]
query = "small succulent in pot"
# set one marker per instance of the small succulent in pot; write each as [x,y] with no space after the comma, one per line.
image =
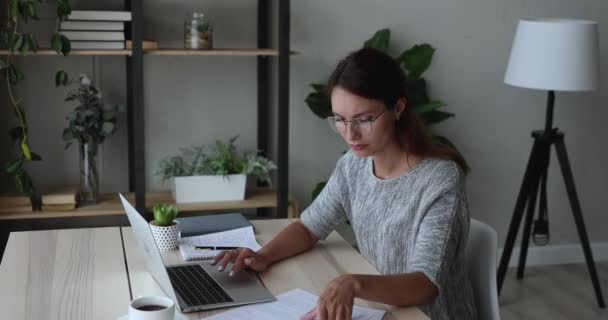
[164,226]
[164,214]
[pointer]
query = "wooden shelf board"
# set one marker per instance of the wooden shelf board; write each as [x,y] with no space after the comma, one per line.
[50,52]
[161,52]
[214,52]
[109,204]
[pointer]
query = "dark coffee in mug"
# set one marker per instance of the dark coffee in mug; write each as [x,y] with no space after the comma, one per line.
[151,307]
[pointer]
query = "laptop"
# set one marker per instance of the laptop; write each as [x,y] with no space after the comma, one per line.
[194,287]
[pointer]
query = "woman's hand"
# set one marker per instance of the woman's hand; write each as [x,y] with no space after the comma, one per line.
[336,301]
[241,258]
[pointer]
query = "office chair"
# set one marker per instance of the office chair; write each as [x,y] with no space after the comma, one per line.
[481,268]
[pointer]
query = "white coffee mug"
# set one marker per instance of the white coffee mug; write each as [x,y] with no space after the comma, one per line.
[152,308]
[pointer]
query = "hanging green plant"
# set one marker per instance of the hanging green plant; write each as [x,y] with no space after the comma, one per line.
[19,43]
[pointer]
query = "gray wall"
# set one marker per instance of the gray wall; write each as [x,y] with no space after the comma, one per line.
[195,100]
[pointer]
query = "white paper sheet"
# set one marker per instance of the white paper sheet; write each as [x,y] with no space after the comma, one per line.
[289,305]
[242,237]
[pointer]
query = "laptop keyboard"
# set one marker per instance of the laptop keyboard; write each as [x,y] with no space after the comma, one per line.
[196,286]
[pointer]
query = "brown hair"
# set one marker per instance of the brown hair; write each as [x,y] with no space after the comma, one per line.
[372,74]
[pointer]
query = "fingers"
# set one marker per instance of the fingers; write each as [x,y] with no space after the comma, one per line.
[228,257]
[238,262]
[310,315]
[338,314]
[218,257]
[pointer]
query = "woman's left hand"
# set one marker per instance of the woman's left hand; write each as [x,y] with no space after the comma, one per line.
[336,301]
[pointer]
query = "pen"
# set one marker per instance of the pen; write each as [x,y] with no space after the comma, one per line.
[216,248]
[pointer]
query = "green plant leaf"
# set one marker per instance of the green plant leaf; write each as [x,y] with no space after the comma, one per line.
[66,46]
[434,117]
[23,182]
[108,128]
[26,151]
[416,60]
[56,43]
[164,214]
[416,92]
[17,42]
[427,107]
[319,103]
[3,64]
[317,190]
[14,10]
[318,87]
[14,166]
[25,47]
[63,9]
[31,10]
[380,40]
[61,78]
[67,135]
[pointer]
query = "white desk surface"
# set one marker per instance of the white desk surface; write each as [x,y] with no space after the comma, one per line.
[64,274]
[311,270]
[82,274]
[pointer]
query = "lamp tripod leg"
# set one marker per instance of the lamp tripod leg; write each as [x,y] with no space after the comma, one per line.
[564,163]
[543,158]
[532,170]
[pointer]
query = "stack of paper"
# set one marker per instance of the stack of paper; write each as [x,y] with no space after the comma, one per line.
[242,238]
[289,305]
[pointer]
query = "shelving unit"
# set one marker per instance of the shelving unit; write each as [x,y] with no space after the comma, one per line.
[109,205]
[263,52]
[164,52]
[51,52]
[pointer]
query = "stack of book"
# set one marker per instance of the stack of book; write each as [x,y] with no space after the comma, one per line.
[15,204]
[96,30]
[60,199]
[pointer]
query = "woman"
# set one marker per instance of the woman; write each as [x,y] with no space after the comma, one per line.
[403,195]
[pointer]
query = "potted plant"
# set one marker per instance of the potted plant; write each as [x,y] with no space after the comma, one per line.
[165,228]
[212,173]
[91,122]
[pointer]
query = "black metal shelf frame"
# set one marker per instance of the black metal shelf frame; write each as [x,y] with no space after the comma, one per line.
[136,103]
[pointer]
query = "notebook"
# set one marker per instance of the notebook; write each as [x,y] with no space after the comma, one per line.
[290,305]
[195,226]
[242,237]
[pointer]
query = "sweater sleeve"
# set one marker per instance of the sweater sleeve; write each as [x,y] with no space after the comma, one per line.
[326,212]
[439,232]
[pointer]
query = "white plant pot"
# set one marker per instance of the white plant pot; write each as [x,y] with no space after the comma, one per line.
[208,188]
[166,237]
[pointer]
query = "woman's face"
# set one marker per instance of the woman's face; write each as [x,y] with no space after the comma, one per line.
[373,127]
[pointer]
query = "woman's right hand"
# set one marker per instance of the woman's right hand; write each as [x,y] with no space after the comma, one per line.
[241,258]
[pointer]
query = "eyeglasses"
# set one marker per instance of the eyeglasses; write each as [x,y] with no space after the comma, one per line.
[361,125]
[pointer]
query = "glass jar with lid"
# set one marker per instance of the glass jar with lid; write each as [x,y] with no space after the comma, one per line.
[198,32]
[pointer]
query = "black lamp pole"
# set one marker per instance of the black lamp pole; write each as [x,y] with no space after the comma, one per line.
[535,180]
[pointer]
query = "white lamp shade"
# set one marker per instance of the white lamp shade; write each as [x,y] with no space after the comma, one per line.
[555,54]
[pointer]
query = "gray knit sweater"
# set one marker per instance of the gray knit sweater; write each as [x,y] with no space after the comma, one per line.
[416,222]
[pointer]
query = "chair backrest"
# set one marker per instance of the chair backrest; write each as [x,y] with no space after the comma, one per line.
[481,268]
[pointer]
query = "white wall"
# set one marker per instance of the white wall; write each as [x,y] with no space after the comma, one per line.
[195,100]
[493,121]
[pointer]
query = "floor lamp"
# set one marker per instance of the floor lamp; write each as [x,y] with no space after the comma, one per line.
[551,55]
